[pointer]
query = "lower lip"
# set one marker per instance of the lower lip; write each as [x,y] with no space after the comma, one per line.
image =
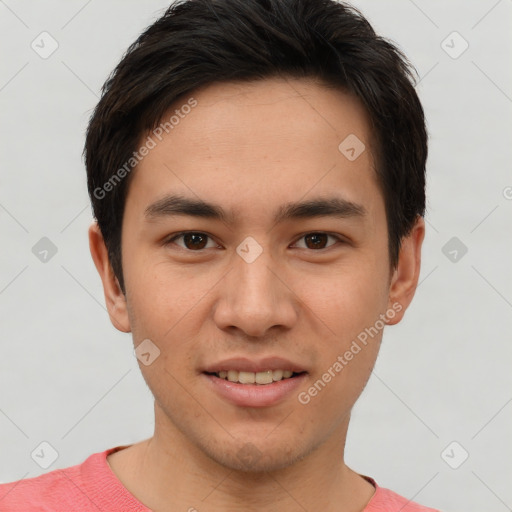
[255,395]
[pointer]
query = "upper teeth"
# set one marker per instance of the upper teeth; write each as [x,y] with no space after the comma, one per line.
[266,377]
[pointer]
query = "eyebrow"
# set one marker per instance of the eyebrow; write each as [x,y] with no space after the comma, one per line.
[172,205]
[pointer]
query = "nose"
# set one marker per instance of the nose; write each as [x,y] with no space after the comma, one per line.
[255,298]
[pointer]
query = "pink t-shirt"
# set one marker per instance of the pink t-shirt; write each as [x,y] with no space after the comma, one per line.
[93,487]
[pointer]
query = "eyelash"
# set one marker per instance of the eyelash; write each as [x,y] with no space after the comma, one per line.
[171,240]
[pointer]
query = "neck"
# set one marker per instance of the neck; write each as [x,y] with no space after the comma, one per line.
[167,472]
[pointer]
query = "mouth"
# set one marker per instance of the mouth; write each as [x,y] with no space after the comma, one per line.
[262,378]
[255,384]
[251,382]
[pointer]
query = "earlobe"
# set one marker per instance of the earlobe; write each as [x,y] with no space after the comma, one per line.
[405,277]
[114,298]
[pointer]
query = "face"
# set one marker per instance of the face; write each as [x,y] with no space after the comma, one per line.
[252,248]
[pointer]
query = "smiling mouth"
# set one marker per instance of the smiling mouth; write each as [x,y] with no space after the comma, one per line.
[259,378]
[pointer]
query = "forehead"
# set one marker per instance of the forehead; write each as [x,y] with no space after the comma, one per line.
[256,143]
[270,115]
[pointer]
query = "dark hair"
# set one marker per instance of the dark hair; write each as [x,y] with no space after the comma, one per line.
[200,42]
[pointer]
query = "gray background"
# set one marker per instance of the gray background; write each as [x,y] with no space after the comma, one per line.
[69,378]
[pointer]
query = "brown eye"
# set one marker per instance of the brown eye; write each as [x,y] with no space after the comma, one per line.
[192,241]
[317,241]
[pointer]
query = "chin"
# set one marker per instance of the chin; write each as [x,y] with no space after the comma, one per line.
[248,457]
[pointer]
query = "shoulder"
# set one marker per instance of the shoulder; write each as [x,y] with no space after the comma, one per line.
[385,500]
[58,490]
[38,493]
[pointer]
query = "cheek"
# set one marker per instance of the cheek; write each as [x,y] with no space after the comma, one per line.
[159,296]
[347,300]
[170,307]
[346,314]
[348,330]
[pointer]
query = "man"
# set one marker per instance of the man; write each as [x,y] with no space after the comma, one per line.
[256,169]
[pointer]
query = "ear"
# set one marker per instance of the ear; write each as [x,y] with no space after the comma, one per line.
[404,279]
[114,297]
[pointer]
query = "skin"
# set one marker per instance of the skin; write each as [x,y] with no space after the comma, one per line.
[252,148]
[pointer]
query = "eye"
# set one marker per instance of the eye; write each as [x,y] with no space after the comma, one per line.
[318,240]
[192,241]
[196,241]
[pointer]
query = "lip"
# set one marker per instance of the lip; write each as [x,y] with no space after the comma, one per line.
[254,365]
[254,395]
